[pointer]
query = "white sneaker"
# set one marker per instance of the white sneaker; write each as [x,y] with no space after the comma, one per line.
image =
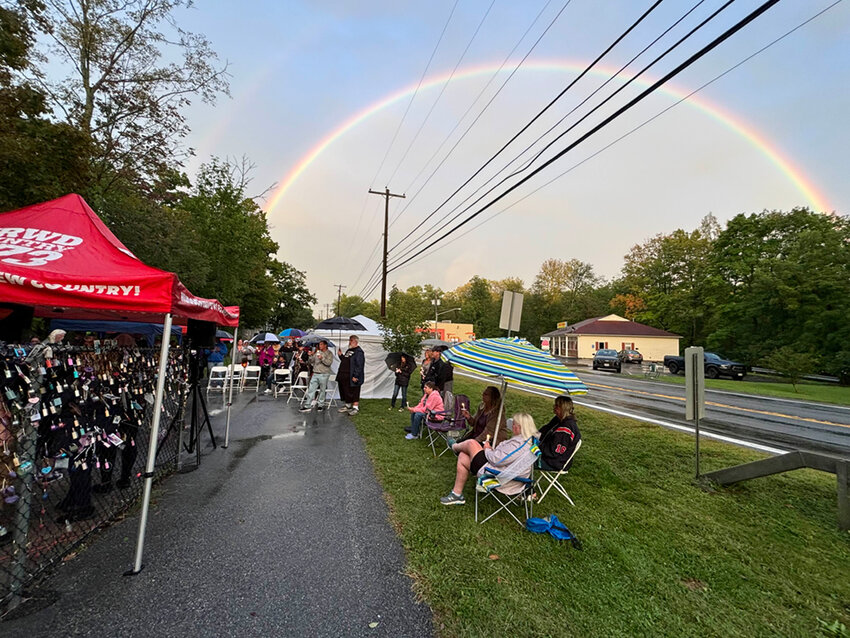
[344,408]
[353,411]
[409,436]
[267,391]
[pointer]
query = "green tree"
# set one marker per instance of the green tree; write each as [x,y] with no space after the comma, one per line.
[783,280]
[294,298]
[352,305]
[132,70]
[790,363]
[39,159]
[402,327]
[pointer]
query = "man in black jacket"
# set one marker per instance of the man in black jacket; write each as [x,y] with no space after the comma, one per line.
[559,437]
[352,367]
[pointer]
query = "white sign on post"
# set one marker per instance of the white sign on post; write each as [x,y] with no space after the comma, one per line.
[694,383]
[511,311]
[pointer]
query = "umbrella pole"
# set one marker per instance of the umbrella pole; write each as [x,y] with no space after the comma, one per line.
[230,397]
[154,437]
[503,388]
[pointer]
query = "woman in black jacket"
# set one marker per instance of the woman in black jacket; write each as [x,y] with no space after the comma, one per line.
[402,380]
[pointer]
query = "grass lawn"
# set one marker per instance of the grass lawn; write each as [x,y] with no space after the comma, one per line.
[662,556]
[768,387]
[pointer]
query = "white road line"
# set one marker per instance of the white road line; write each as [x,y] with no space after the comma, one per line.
[637,417]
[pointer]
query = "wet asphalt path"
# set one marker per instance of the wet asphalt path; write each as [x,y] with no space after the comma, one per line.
[285,533]
[782,423]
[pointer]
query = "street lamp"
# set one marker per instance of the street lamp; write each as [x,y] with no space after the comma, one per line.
[439,314]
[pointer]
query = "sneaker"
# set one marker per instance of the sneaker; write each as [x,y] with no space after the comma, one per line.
[453,499]
[267,391]
[319,408]
[402,409]
[353,411]
[409,436]
[306,408]
[344,408]
[391,408]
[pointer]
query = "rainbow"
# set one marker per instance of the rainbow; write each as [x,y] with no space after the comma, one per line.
[817,200]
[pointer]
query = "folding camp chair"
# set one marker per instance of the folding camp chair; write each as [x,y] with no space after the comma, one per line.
[281,380]
[251,378]
[219,376]
[511,486]
[452,424]
[298,390]
[547,479]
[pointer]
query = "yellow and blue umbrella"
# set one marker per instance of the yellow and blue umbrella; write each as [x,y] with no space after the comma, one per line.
[517,363]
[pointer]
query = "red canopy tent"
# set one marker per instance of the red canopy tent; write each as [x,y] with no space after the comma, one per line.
[62,259]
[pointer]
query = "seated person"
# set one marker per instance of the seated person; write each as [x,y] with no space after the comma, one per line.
[279,362]
[559,437]
[484,421]
[473,456]
[431,401]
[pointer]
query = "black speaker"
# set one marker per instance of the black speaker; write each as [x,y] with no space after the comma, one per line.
[201,334]
[15,320]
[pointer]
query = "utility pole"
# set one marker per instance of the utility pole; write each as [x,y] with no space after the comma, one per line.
[339,288]
[327,311]
[386,194]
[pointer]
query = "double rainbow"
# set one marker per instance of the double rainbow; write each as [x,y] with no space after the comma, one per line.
[815,199]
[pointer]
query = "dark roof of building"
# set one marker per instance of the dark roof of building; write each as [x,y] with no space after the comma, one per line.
[598,326]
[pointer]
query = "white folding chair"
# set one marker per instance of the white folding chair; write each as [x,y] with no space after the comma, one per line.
[219,376]
[238,374]
[281,380]
[547,479]
[298,390]
[330,394]
[251,377]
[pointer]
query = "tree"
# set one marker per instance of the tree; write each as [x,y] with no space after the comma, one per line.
[39,159]
[353,305]
[131,70]
[403,327]
[790,363]
[783,280]
[294,299]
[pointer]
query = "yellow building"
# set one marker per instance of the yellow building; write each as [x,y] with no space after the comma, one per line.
[581,340]
[451,332]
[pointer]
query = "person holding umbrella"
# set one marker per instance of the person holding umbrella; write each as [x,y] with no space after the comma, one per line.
[402,371]
[349,377]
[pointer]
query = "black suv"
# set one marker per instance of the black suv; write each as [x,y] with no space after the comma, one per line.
[606,359]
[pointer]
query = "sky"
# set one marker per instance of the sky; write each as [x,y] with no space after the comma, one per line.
[324,102]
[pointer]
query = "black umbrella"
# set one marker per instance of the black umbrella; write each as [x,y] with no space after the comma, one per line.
[393,360]
[340,323]
[312,340]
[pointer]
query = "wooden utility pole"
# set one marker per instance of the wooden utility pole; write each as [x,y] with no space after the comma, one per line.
[386,194]
[339,288]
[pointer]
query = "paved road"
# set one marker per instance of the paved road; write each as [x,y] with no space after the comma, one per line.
[781,423]
[285,533]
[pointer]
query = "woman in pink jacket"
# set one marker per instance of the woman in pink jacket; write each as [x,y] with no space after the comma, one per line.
[431,402]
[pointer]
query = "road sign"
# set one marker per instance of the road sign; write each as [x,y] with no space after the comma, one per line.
[511,311]
[694,383]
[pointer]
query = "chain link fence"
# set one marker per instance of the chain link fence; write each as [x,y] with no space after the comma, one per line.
[74,436]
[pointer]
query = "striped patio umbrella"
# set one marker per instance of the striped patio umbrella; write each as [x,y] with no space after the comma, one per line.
[517,363]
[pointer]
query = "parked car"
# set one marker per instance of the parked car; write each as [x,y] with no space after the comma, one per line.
[606,359]
[630,356]
[715,366]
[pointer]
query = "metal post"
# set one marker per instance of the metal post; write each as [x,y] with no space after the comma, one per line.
[696,362]
[230,397]
[154,435]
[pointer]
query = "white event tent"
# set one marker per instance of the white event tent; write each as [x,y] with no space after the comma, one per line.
[379,381]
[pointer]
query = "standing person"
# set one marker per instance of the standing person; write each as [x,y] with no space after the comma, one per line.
[402,380]
[447,375]
[352,366]
[265,357]
[559,437]
[423,370]
[321,360]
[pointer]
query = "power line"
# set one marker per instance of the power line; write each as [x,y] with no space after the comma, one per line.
[486,106]
[442,90]
[580,120]
[651,89]
[416,240]
[536,117]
